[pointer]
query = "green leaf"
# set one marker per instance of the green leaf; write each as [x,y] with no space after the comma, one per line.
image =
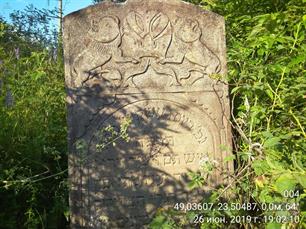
[274,226]
[235,89]
[260,167]
[38,75]
[229,158]
[271,142]
[158,221]
[274,164]
[196,180]
[269,93]
[301,178]
[265,196]
[304,17]
[267,134]
[285,182]
[297,60]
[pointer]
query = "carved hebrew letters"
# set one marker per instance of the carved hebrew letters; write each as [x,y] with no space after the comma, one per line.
[152,62]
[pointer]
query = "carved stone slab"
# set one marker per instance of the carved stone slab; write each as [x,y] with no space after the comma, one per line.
[152,61]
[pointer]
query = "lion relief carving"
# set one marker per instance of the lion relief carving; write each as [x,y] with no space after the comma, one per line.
[117,51]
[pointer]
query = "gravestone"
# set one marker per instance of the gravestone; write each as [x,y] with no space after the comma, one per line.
[157,63]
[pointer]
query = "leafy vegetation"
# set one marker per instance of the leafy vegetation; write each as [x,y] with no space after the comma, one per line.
[266,74]
[33,155]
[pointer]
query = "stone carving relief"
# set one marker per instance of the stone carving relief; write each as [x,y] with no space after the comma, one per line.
[103,46]
[151,61]
[148,34]
[118,51]
[188,52]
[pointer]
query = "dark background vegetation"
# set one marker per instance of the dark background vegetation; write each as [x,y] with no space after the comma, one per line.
[266,75]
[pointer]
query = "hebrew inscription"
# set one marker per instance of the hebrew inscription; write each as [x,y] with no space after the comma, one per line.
[152,62]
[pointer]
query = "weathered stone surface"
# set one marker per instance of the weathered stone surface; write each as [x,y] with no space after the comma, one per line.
[152,61]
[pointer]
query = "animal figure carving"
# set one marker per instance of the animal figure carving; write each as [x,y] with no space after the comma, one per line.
[105,39]
[189,53]
[119,53]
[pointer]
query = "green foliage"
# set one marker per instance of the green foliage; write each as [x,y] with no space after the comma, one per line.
[36,25]
[33,154]
[109,135]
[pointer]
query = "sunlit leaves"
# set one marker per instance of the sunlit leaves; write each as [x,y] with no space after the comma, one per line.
[285,182]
